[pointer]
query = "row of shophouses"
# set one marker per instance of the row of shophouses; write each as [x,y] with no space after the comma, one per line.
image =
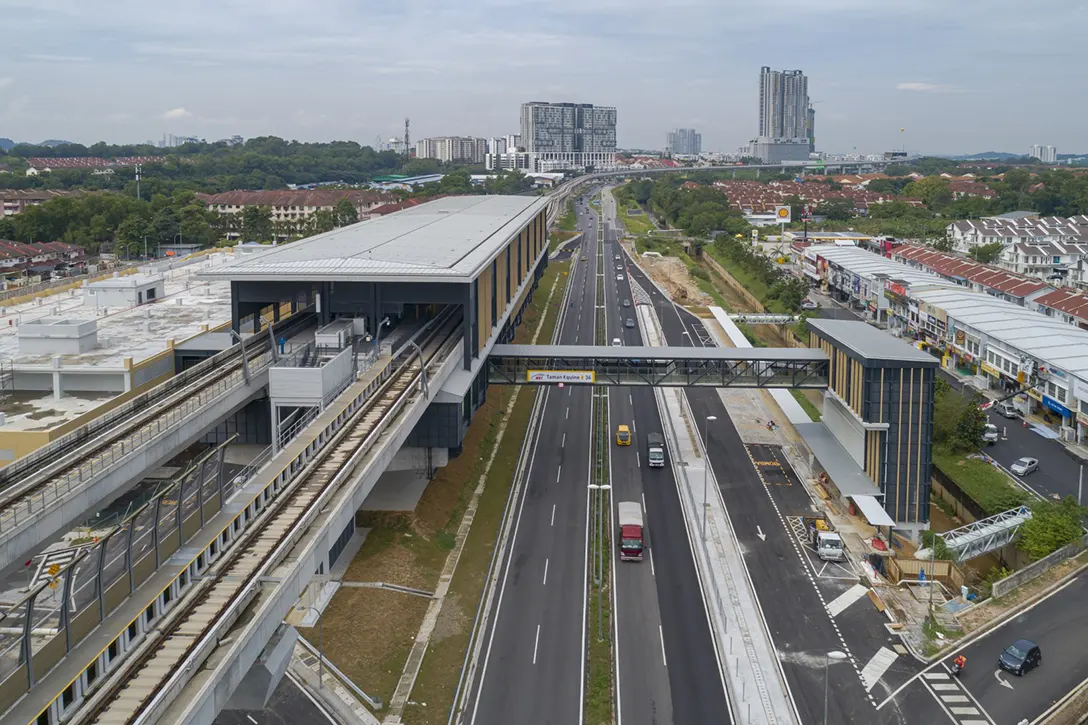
[1004,333]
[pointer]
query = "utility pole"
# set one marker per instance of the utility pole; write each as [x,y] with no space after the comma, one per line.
[139,168]
[407,141]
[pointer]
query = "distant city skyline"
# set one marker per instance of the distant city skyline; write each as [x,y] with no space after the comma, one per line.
[124,72]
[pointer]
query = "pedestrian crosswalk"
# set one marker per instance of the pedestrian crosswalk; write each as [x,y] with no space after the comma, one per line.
[954,698]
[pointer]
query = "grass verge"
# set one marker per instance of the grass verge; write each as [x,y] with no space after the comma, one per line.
[569,220]
[747,280]
[633,218]
[984,484]
[557,237]
[812,411]
[432,696]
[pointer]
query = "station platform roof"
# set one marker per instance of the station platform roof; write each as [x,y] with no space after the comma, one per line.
[447,240]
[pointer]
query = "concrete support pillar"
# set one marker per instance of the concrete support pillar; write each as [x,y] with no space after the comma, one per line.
[255,689]
[58,391]
[235,308]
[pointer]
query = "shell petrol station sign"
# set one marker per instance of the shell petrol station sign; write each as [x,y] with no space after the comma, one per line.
[783,214]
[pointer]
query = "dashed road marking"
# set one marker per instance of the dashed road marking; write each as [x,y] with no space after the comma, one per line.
[809,573]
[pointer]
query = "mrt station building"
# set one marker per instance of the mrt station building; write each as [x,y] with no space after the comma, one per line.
[878,408]
[482,255]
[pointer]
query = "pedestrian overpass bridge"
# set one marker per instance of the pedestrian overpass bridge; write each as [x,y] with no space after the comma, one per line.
[718,367]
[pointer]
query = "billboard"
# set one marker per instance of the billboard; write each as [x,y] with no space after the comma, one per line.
[783,214]
[561,376]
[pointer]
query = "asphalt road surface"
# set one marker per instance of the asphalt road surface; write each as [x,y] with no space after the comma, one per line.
[985,694]
[668,670]
[788,588]
[533,662]
[288,705]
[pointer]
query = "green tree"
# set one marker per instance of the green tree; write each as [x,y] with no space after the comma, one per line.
[987,253]
[958,422]
[345,213]
[836,209]
[932,190]
[257,223]
[1053,524]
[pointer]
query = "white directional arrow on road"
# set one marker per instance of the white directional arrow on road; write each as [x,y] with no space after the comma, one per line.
[997,676]
[759,532]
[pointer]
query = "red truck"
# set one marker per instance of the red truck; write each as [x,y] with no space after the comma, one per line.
[631,530]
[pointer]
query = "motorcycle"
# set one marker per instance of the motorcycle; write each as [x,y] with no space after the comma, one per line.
[956,668]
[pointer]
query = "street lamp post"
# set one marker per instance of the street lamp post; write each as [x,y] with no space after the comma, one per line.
[838,657]
[706,465]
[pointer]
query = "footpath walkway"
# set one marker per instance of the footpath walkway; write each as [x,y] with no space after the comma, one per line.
[757,686]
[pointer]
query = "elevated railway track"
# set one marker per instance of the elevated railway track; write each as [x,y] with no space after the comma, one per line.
[145,685]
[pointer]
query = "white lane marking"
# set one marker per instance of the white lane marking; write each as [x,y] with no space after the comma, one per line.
[953,698]
[545,573]
[536,643]
[567,416]
[938,675]
[320,707]
[837,605]
[638,462]
[661,634]
[652,572]
[630,399]
[558,474]
[553,515]
[250,718]
[643,501]
[564,443]
[965,643]
[945,686]
[964,710]
[875,668]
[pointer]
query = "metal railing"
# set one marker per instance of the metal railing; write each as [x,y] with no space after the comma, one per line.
[29,630]
[55,490]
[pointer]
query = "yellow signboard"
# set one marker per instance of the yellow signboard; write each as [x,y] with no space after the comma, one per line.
[1035,394]
[990,369]
[569,377]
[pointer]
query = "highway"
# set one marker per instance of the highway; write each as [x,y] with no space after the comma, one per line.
[667,666]
[791,590]
[533,661]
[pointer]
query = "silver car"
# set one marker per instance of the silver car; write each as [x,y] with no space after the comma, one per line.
[1024,466]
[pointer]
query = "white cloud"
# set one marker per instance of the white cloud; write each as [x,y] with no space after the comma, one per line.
[175,114]
[923,87]
[5,82]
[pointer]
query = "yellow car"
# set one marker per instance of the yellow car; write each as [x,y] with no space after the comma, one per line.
[623,435]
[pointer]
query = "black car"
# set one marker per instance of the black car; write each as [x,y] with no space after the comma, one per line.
[1020,656]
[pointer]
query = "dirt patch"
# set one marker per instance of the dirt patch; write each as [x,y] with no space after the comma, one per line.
[368,634]
[397,556]
[452,620]
[673,276]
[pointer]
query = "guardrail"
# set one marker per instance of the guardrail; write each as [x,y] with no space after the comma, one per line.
[55,491]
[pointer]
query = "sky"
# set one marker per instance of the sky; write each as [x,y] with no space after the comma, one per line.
[957,76]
